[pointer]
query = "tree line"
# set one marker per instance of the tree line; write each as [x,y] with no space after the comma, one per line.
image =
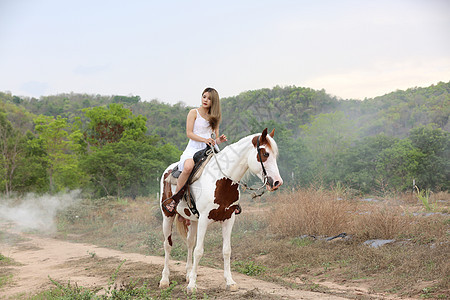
[119,145]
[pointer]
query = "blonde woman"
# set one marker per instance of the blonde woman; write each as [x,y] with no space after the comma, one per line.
[200,124]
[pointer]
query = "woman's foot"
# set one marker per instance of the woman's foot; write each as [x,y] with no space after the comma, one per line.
[169,205]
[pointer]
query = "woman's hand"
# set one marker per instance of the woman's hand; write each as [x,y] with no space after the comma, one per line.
[210,142]
[221,139]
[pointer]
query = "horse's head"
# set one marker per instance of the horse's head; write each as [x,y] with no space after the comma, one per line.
[263,160]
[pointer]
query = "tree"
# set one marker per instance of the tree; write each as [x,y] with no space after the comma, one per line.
[14,123]
[57,140]
[109,125]
[327,136]
[433,170]
[357,166]
[10,149]
[123,161]
[128,167]
[398,165]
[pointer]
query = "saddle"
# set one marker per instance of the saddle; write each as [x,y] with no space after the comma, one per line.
[201,158]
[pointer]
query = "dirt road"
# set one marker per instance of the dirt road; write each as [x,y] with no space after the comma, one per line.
[39,258]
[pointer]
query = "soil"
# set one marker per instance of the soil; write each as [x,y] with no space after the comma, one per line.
[38,258]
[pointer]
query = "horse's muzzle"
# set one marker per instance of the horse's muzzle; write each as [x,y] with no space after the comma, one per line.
[273,185]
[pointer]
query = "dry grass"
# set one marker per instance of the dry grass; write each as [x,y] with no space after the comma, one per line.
[267,235]
[310,212]
[380,222]
[416,264]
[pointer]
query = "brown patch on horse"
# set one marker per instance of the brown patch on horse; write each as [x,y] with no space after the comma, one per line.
[262,141]
[187,212]
[167,193]
[226,193]
[169,239]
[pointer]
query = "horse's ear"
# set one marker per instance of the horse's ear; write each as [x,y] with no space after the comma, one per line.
[272,133]
[263,136]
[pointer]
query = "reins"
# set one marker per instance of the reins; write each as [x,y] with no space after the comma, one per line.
[244,185]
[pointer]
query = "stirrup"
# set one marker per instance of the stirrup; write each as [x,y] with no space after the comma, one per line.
[191,204]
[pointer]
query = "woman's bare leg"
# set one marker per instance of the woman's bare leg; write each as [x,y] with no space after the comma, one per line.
[188,166]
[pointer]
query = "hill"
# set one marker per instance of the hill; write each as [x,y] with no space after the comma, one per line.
[319,135]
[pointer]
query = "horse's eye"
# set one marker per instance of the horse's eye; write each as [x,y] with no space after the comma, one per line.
[266,154]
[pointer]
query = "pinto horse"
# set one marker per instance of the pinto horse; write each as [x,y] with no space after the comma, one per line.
[216,194]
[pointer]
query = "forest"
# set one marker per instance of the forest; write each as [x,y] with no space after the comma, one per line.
[119,145]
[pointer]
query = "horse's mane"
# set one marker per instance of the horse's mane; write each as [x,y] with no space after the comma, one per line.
[272,144]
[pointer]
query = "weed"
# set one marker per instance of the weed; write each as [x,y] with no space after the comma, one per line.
[4,279]
[424,197]
[301,241]
[167,293]
[122,201]
[427,293]
[179,252]
[326,265]
[4,259]
[113,278]
[68,292]
[249,268]
[153,242]
[91,254]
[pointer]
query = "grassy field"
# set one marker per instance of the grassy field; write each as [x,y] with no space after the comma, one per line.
[282,238]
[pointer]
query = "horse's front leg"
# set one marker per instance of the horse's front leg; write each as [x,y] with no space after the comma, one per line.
[227,227]
[190,242]
[202,225]
[167,230]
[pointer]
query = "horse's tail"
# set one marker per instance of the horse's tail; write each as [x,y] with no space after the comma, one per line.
[182,226]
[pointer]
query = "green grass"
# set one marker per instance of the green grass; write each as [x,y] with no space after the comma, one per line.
[301,242]
[5,275]
[424,197]
[133,289]
[249,268]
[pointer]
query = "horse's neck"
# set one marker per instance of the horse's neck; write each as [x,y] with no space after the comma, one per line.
[233,159]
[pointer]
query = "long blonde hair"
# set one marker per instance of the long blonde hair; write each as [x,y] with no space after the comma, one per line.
[215,114]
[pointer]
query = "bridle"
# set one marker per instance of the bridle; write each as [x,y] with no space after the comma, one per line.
[260,160]
[244,185]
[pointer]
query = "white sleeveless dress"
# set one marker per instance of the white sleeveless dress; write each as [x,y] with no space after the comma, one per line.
[201,128]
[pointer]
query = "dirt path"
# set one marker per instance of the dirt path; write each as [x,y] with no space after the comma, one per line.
[91,266]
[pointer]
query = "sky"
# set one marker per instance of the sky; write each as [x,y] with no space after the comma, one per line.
[172,50]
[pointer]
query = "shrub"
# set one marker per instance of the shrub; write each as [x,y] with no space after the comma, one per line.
[309,211]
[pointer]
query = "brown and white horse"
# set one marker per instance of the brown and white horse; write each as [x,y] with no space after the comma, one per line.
[216,195]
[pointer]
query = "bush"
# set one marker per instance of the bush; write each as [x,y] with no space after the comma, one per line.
[309,211]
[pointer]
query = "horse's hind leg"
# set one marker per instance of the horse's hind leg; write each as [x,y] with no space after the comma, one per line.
[227,227]
[190,242]
[167,230]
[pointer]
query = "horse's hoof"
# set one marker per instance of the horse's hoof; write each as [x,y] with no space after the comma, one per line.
[164,284]
[233,287]
[190,289]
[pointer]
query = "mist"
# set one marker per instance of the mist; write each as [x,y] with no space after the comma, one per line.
[33,212]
